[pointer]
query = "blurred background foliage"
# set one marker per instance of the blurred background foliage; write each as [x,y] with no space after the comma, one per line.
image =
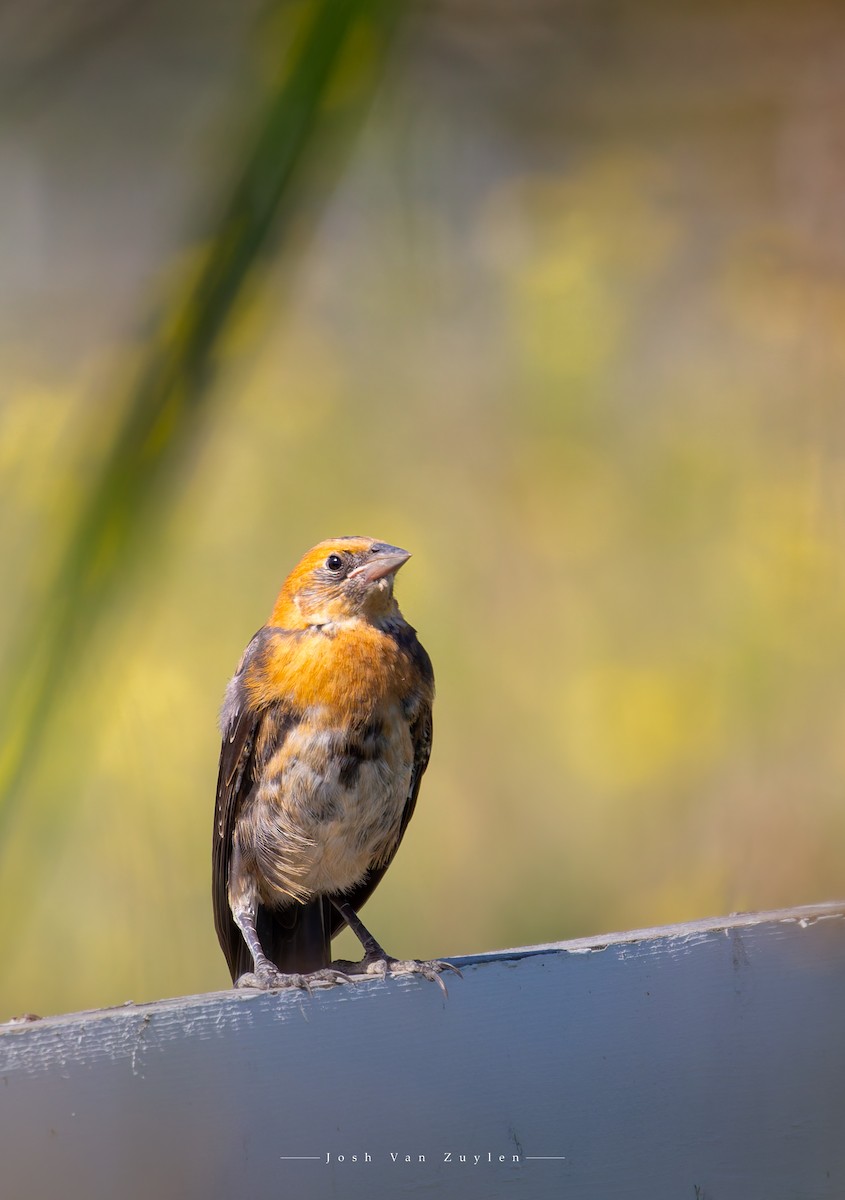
[551,293]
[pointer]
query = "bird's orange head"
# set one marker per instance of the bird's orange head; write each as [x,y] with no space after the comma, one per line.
[339,580]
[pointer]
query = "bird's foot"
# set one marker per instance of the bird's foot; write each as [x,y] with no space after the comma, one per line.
[267,977]
[383,965]
[326,977]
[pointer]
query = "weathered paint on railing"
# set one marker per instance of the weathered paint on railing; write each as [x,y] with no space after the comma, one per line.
[703,1061]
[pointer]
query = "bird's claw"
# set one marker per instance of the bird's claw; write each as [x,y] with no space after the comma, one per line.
[431,969]
[269,978]
[326,977]
[266,978]
[385,965]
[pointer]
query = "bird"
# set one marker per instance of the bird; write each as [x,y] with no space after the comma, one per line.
[326,728]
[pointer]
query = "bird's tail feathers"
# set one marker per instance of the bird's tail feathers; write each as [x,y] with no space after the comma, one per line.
[298,938]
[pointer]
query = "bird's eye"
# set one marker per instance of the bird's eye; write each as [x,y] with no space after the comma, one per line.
[334,562]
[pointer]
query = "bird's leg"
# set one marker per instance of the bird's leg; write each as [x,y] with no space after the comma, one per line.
[243,905]
[265,974]
[377,961]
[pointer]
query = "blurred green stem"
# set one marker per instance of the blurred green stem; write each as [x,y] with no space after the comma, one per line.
[163,409]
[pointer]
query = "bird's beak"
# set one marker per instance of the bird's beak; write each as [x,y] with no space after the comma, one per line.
[385,561]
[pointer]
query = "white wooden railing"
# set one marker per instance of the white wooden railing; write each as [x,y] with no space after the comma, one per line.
[696,1062]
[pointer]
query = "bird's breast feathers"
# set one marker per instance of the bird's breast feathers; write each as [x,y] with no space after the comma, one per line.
[329,805]
[336,755]
[345,668]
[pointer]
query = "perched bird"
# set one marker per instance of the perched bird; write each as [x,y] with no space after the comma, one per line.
[326,734]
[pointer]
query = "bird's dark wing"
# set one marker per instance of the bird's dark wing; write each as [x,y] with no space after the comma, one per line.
[295,936]
[421,734]
[235,783]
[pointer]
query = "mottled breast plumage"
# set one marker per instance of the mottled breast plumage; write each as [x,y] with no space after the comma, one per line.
[335,756]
